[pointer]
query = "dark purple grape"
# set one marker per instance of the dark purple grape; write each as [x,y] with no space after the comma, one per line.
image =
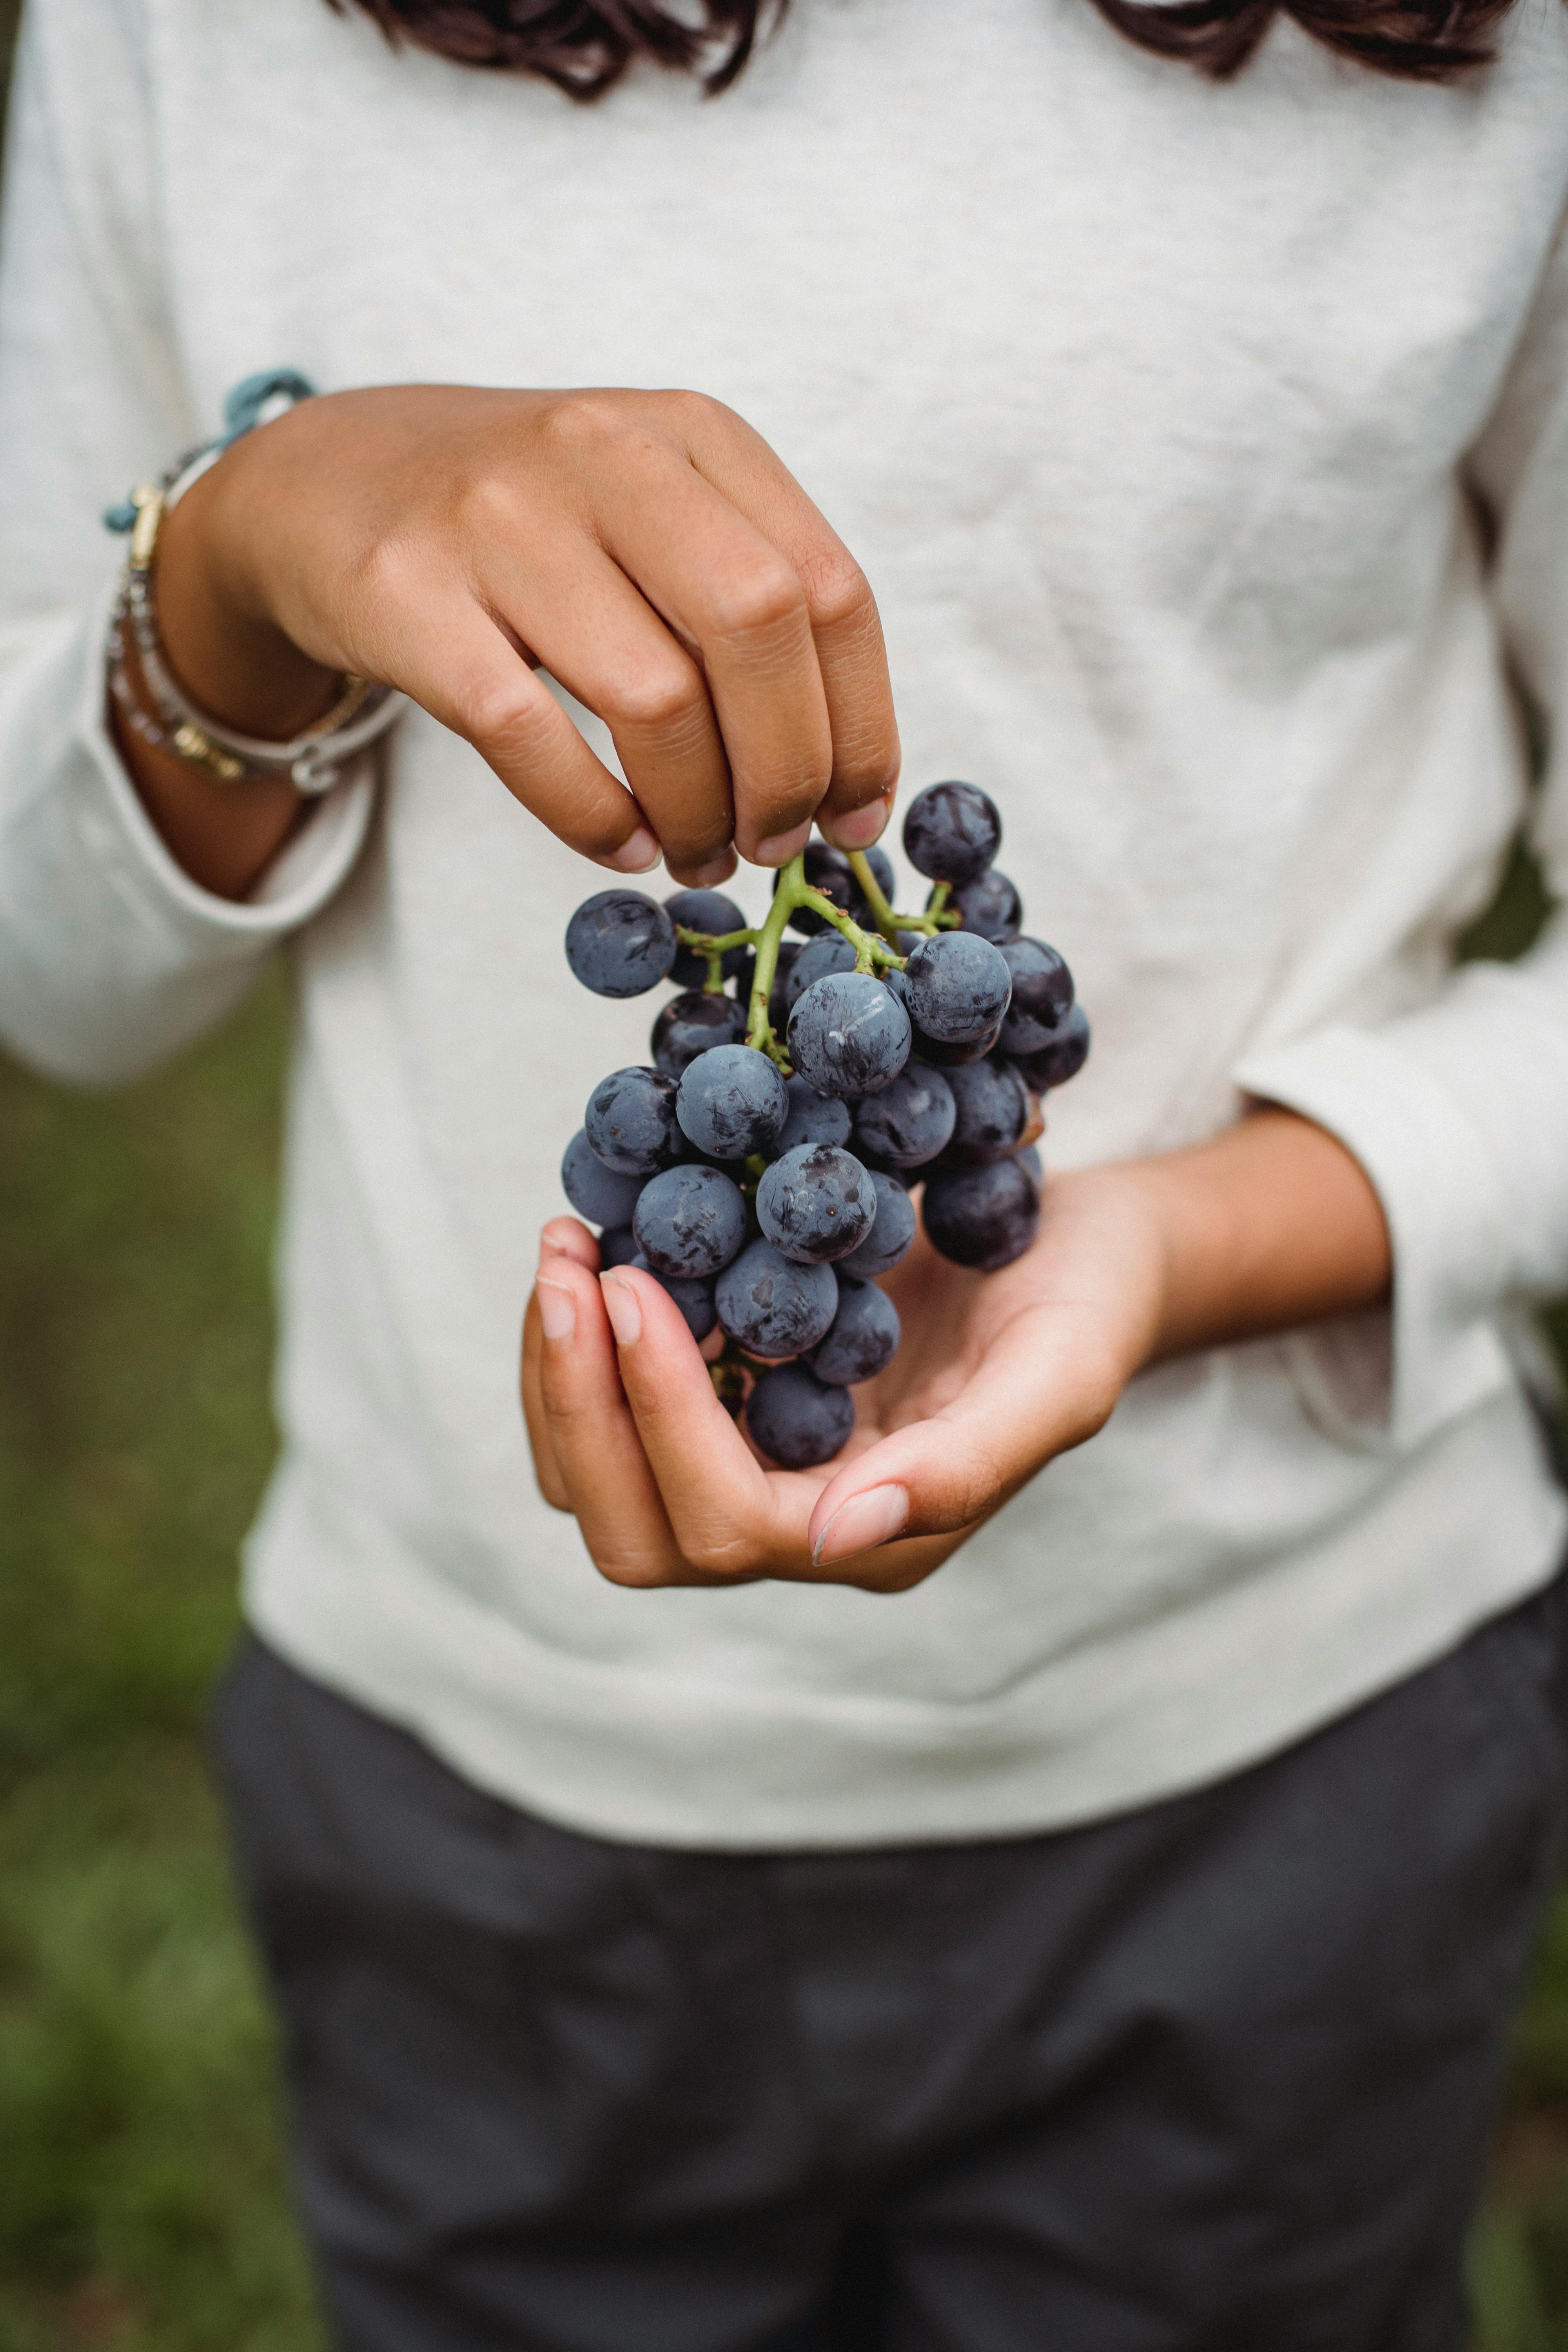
[617,1246]
[695,1299]
[797,1420]
[1060,1060]
[816,1203]
[620,944]
[690,1024]
[731,1102]
[827,870]
[939,1052]
[954,1058]
[593,1190]
[848,1035]
[1042,996]
[952,832]
[982,1217]
[773,1306]
[829,951]
[990,906]
[1029,1157]
[709,911]
[864,1339]
[691,1222]
[910,1121]
[813,1118]
[892,1230]
[959,987]
[893,981]
[994,1110]
[630,1121]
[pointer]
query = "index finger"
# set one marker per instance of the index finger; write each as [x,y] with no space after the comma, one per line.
[730,1514]
[594,1450]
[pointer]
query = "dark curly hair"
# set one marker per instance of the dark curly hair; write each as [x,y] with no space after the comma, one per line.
[584,46]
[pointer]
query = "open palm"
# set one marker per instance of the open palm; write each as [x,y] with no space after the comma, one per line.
[995,1375]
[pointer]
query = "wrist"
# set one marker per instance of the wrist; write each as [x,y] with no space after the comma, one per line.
[1271,1225]
[228,654]
[1124,1231]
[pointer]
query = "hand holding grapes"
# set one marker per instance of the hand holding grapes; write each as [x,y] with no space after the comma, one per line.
[994,1375]
[731,1199]
[734,1214]
[1272,1224]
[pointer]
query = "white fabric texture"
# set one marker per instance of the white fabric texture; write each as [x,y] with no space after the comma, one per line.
[1207,449]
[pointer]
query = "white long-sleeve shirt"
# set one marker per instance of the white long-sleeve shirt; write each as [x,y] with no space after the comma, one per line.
[1207,450]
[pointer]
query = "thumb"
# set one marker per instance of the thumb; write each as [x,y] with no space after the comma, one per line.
[1029,1400]
[935,1477]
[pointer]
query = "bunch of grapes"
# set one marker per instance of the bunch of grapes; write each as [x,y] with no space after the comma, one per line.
[763,1179]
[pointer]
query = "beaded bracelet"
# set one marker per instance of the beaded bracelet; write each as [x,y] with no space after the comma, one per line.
[312,761]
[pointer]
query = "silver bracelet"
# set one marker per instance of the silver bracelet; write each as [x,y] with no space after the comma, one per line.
[312,761]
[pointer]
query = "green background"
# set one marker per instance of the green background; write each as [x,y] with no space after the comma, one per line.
[142,2203]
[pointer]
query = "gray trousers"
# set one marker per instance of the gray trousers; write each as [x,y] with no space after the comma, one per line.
[1213,2076]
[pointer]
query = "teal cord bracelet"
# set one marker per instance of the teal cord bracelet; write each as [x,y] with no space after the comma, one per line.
[241,413]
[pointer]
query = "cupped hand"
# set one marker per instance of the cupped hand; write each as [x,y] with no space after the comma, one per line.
[996,1375]
[646,548]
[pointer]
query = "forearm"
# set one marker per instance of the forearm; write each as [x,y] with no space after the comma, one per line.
[1271,1224]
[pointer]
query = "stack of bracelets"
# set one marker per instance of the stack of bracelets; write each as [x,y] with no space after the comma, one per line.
[312,761]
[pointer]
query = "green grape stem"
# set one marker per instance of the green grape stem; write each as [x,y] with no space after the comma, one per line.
[873,951]
[935,918]
[871,891]
[759,1028]
[714,948]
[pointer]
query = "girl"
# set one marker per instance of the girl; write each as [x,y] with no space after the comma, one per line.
[1107,1942]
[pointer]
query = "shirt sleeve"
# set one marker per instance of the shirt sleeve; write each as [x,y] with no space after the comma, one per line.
[110,957]
[1459,1111]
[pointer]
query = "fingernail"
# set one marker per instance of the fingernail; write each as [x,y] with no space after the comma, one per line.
[861,827]
[780,848]
[621,1307]
[862,1523]
[557,1311]
[635,855]
[717,869]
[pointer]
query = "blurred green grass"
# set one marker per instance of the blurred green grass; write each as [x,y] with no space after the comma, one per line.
[141,2200]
